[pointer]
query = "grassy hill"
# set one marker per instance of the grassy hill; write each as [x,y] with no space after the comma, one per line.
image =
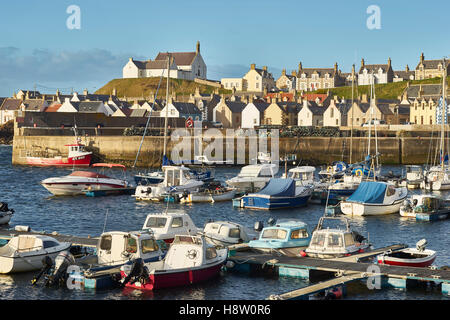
[383,91]
[139,87]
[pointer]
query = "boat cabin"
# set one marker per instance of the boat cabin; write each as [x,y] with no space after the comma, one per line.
[303,175]
[175,175]
[425,203]
[334,242]
[76,149]
[227,232]
[258,170]
[283,234]
[28,243]
[414,172]
[189,251]
[117,247]
[165,226]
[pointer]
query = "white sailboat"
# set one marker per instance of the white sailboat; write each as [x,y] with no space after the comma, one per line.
[438,177]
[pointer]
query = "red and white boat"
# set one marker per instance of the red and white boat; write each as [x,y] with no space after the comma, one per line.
[190,260]
[77,157]
[409,257]
[79,181]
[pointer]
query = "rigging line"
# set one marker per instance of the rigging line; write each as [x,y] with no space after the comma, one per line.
[148,120]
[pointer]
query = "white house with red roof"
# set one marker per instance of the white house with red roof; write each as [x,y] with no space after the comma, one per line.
[183,65]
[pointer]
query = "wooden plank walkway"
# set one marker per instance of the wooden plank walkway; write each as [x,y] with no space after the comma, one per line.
[304,293]
[80,241]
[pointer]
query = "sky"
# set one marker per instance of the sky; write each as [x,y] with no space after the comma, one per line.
[38,49]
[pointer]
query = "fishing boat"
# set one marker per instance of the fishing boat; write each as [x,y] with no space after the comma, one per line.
[414,176]
[189,260]
[374,198]
[164,226]
[335,242]
[225,233]
[176,180]
[286,236]
[336,169]
[409,257]
[279,193]
[115,248]
[77,157]
[25,252]
[253,177]
[78,182]
[5,213]
[426,207]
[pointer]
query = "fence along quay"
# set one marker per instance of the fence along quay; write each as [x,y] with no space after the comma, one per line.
[340,270]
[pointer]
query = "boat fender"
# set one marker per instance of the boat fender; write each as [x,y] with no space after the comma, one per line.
[303,253]
[258,226]
[230,264]
[22,228]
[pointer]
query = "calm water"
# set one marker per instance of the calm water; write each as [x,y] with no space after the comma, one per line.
[84,216]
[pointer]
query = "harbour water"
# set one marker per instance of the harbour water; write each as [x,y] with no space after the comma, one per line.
[34,206]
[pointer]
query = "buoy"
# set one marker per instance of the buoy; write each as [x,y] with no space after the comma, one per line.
[230,264]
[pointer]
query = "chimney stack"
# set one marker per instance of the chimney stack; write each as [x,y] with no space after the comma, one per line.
[422,57]
[252,66]
[283,72]
[389,62]
[197,49]
[407,68]
[299,67]
[362,63]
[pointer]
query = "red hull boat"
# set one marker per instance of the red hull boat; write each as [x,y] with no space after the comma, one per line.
[189,260]
[78,157]
[409,257]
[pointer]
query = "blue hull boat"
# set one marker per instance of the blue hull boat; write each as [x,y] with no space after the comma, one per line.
[278,194]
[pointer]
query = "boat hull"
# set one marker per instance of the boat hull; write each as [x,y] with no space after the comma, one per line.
[211,197]
[367,209]
[422,262]
[79,161]
[72,189]
[169,279]
[270,203]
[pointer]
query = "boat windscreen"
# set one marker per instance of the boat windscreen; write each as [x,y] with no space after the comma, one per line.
[274,234]
[156,222]
[87,174]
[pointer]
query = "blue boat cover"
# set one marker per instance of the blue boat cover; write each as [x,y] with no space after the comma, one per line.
[368,192]
[279,187]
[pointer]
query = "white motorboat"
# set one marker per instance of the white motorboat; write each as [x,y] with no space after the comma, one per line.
[374,198]
[5,213]
[418,257]
[225,233]
[164,226]
[176,179]
[204,160]
[335,242]
[25,252]
[303,176]
[414,176]
[115,248]
[223,194]
[346,187]
[190,260]
[436,178]
[78,182]
[253,177]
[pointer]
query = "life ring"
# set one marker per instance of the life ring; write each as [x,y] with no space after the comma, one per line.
[358,172]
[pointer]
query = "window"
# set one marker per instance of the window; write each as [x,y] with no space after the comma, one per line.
[390,191]
[299,234]
[211,253]
[274,234]
[348,238]
[149,245]
[318,239]
[50,244]
[332,112]
[335,240]
[257,85]
[337,122]
[234,233]
[155,222]
[431,119]
[131,245]
[177,222]
[421,119]
[105,243]
[254,121]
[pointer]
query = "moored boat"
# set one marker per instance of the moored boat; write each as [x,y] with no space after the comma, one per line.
[5,213]
[286,236]
[279,193]
[335,242]
[426,207]
[253,177]
[374,198]
[409,257]
[225,233]
[164,226]
[189,260]
[78,182]
[25,252]
[77,157]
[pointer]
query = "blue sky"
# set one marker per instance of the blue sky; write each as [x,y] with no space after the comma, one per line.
[36,47]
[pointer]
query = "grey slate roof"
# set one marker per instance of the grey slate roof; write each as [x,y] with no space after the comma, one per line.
[235,106]
[89,106]
[320,71]
[137,113]
[11,104]
[186,108]
[34,104]
[374,68]
[429,90]
[261,106]
[181,58]
[289,107]
[432,64]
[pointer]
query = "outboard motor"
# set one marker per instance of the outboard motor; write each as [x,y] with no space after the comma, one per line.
[421,244]
[47,264]
[62,261]
[259,225]
[271,221]
[137,272]
[358,237]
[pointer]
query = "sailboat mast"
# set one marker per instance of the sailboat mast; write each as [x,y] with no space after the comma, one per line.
[443,105]
[167,104]
[351,130]
[370,118]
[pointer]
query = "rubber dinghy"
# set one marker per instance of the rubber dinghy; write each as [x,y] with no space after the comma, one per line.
[279,193]
[374,198]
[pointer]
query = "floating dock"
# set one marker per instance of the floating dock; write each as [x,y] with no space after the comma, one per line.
[341,270]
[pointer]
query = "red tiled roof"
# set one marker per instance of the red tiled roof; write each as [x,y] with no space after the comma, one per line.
[53,107]
[314,96]
[289,96]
